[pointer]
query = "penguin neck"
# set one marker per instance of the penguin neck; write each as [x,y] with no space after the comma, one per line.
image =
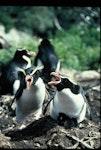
[63,95]
[39,82]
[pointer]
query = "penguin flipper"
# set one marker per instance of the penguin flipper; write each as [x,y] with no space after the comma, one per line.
[17,95]
[19,92]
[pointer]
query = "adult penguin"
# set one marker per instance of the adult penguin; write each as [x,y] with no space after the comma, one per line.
[69,101]
[30,96]
[47,57]
[9,77]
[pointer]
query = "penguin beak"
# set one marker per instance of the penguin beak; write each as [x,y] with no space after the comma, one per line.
[55,80]
[31,53]
[29,81]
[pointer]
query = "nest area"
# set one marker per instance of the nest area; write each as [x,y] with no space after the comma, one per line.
[46,133]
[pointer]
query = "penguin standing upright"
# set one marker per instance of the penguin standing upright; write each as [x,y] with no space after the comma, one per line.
[69,100]
[9,77]
[30,96]
[47,57]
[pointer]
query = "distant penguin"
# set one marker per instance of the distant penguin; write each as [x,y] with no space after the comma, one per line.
[9,76]
[69,100]
[30,95]
[47,57]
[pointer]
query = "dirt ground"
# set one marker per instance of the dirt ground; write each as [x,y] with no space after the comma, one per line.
[46,133]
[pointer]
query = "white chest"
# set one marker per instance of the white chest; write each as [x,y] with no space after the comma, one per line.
[30,100]
[67,103]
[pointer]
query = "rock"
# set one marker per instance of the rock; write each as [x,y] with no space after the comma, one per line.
[4,141]
[45,133]
[4,43]
[88,74]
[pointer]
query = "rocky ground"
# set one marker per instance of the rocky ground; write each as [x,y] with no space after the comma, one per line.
[45,133]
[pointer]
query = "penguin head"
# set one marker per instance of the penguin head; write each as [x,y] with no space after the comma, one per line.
[62,82]
[58,81]
[45,45]
[21,54]
[45,42]
[29,76]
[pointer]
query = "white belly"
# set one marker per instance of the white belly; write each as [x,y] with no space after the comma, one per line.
[30,101]
[67,103]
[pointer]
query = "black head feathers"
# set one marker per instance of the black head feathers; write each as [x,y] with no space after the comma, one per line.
[62,82]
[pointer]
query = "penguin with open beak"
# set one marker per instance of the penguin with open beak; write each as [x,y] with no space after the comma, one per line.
[47,57]
[9,82]
[30,96]
[69,101]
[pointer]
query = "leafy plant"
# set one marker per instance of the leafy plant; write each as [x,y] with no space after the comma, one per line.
[75,50]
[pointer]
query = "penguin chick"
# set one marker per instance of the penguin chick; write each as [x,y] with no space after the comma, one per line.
[30,96]
[47,57]
[9,77]
[68,100]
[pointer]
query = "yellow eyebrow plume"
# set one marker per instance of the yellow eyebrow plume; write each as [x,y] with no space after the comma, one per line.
[37,68]
[22,70]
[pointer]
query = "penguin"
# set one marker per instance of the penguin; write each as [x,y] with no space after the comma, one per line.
[9,82]
[69,101]
[30,96]
[47,57]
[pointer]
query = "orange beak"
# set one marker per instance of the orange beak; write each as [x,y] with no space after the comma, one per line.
[29,81]
[31,53]
[56,80]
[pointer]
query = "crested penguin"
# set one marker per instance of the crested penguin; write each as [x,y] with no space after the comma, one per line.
[69,101]
[9,77]
[47,57]
[30,96]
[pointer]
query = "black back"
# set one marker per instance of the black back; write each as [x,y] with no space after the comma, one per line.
[48,57]
[10,73]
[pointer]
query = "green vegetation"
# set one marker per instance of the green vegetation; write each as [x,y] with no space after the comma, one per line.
[76,50]
[7,55]
[73,31]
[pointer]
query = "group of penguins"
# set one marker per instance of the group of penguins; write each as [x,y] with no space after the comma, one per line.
[27,82]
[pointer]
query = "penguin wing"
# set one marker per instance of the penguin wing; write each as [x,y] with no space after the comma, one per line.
[19,92]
